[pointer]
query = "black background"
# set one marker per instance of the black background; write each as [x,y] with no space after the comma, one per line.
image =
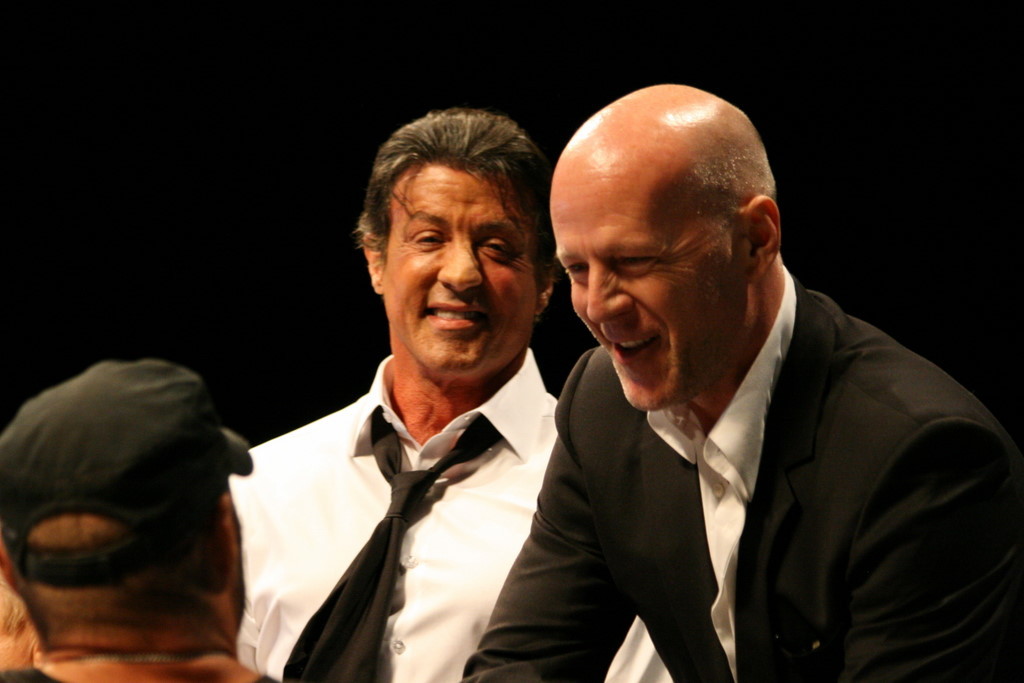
[183,184]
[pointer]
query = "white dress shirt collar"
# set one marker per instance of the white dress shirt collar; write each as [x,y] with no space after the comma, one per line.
[739,432]
[520,428]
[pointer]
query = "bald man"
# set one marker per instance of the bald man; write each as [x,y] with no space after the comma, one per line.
[780,491]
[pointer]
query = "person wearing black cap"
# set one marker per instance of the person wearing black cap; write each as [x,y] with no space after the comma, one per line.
[118,528]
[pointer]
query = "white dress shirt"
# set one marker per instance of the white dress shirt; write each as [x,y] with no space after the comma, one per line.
[727,460]
[316,495]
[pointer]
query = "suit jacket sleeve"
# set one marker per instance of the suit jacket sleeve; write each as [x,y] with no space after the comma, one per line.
[559,616]
[887,519]
[935,562]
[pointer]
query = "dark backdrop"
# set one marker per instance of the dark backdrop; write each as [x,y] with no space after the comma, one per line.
[183,184]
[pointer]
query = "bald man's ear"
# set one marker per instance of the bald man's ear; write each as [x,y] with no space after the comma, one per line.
[762,232]
[375,264]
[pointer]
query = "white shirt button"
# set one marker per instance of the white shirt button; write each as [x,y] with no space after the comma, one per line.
[398,647]
[409,562]
[718,489]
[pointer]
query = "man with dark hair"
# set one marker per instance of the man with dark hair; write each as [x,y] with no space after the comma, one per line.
[119,530]
[485,145]
[781,491]
[455,234]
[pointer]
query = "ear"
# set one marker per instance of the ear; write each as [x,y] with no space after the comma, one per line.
[224,545]
[544,295]
[762,234]
[375,264]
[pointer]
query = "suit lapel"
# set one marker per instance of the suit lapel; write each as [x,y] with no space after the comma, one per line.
[653,499]
[788,444]
[689,586]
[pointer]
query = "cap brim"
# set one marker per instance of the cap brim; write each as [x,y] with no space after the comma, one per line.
[238,453]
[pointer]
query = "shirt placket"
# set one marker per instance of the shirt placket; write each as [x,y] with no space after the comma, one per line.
[728,514]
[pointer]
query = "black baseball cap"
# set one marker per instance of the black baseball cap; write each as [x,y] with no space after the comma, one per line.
[136,441]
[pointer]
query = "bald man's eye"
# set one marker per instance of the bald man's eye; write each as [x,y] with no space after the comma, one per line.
[577,272]
[633,264]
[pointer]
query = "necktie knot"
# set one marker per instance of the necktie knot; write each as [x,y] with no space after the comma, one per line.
[341,642]
[407,489]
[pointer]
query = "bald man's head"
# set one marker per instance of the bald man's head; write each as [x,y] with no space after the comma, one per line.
[664,213]
[705,151]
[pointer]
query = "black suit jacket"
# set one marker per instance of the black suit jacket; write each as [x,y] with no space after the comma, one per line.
[883,541]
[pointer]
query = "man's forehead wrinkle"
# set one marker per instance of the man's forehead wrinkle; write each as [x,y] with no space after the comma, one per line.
[427,217]
[400,195]
[516,225]
[497,225]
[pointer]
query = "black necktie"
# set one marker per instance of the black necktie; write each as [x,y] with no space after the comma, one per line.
[342,641]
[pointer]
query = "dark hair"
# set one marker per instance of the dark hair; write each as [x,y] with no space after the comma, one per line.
[487,145]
